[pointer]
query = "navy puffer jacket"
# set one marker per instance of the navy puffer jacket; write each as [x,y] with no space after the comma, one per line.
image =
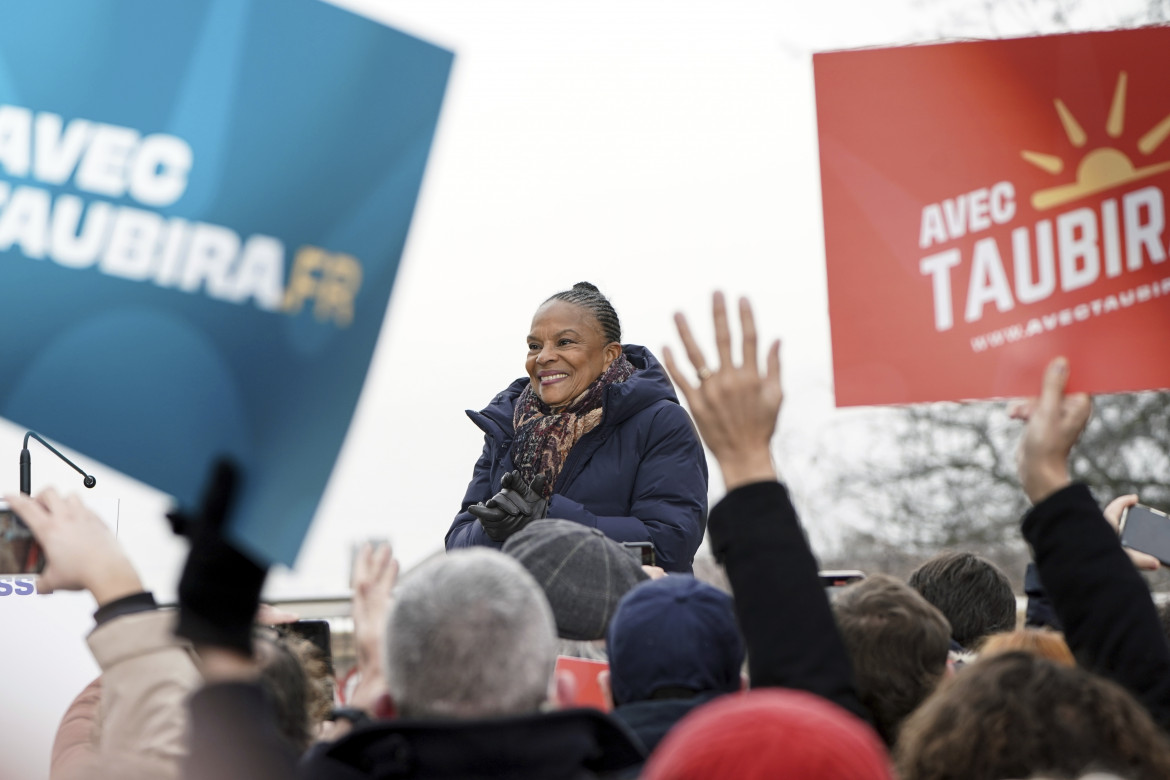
[641,475]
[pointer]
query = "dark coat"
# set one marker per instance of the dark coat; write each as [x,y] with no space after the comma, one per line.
[1109,619]
[641,475]
[564,745]
[233,735]
[652,718]
[787,623]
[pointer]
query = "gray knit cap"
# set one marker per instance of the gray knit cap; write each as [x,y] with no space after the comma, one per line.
[583,573]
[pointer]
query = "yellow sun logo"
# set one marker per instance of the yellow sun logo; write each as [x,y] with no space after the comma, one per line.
[1102,168]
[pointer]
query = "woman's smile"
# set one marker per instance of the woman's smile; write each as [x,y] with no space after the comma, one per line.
[549,377]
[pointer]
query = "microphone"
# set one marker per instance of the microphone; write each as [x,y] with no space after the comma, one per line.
[26,465]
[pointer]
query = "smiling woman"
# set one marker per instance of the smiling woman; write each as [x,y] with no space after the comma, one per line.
[593,434]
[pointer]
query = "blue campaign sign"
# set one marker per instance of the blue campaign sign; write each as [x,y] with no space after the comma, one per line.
[202,209]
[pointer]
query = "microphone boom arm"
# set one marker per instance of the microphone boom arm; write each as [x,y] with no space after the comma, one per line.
[26,463]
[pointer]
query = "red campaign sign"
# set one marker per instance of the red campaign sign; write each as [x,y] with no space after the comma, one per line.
[587,690]
[991,205]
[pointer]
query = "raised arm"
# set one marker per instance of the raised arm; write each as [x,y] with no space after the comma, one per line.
[1104,605]
[791,636]
[233,723]
[146,673]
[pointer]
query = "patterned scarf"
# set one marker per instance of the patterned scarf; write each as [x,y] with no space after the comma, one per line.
[544,438]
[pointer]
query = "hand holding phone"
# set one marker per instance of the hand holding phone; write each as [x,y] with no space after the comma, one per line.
[1146,530]
[19,551]
[80,551]
[643,552]
[1113,512]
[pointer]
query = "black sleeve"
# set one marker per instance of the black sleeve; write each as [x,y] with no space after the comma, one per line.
[1039,612]
[127,605]
[1109,618]
[791,636]
[234,736]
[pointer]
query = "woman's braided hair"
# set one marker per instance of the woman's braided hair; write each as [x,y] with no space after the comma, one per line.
[588,297]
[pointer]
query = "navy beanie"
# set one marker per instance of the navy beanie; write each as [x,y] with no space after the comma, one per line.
[674,632]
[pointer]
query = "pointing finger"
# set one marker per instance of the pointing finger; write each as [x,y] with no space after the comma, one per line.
[1055,380]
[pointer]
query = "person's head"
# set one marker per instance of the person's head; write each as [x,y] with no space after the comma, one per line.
[672,637]
[898,645]
[574,337]
[1046,644]
[286,682]
[1019,715]
[469,635]
[972,593]
[583,573]
[768,733]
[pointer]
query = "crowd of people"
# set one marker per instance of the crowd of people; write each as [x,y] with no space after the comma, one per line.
[577,537]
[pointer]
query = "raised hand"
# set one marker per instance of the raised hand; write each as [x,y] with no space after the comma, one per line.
[80,550]
[1055,422]
[734,406]
[374,576]
[219,590]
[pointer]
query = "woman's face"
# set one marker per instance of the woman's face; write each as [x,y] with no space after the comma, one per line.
[566,352]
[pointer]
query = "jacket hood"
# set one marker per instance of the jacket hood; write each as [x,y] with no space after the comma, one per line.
[648,385]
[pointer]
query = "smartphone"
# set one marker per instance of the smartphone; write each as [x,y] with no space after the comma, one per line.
[20,553]
[838,578]
[317,633]
[643,552]
[1147,530]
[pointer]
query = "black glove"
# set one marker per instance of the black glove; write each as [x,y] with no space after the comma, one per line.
[497,524]
[515,506]
[219,591]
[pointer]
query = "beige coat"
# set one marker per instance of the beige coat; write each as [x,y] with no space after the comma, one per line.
[139,728]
